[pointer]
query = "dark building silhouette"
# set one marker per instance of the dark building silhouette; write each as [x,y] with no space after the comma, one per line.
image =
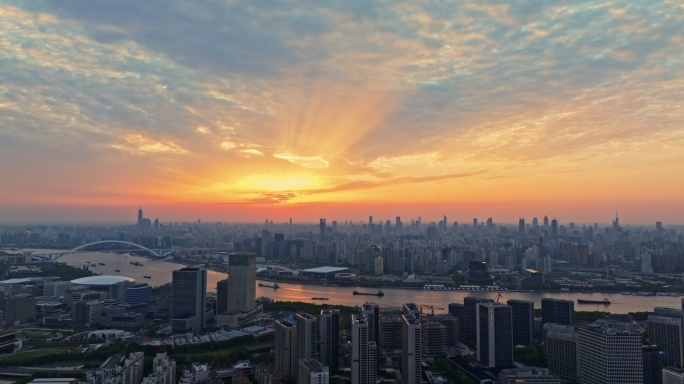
[478,273]
[470,319]
[655,360]
[558,311]
[494,335]
[523,321]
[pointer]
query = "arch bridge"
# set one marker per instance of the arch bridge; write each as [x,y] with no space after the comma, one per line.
[155,253]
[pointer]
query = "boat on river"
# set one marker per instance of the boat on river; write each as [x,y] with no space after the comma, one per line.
[379,294]
[274,286]
[604,301]
[116,270]
[147,277]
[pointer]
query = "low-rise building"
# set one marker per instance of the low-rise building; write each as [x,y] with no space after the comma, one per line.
[527,375]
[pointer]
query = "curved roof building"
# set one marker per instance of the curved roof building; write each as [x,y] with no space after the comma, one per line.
[102,280]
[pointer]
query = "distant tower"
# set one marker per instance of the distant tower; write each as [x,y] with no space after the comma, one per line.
[290,221]
[521,225]
[474,223]
[616,222]
[546,222]
[140,217]
[322,228]
[370,220]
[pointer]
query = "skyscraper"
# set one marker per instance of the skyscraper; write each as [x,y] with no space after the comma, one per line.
[363,352]
[321,236]
[558,311]
[554,228]
[286,349]
[222,296]
[140,217]
[188,300]
[610,353]
[370,220]
[242,281]
[494,335]
[561,349]
[469,334]
[398,227]
[410,350]
[546,221]
[666,330]
[372,313]
[521,226]
[330,338]
[655,359]
[307,337]
[523,321]
[457,310]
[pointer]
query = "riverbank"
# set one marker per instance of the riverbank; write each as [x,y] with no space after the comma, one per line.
[420,288]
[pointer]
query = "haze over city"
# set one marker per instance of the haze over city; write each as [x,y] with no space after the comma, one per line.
[239,112]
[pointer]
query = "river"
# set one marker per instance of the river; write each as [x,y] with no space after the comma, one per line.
[160,273]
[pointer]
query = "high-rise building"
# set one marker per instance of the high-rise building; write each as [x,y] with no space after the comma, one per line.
[434,338]
[558,311]
[546,221]
[470,319]
[372,313]
[363,352]
[452,327]
[286,349]
[523,321]
[456,310]
[321,236]
[666,330]
[561,349]
[411,350]
[655,359]
[673,375]
[521,226]
[370,220]
[390,333]
[307,336]
[554,228]
[610,353]
[494,335]
[312,371]
[188,300]
[330,338]
[242,281]
[222,296]
[474,224]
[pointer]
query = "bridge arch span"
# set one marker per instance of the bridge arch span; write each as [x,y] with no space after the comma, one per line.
[108,241]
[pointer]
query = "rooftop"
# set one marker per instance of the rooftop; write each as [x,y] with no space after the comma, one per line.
[326,269]
[101,280]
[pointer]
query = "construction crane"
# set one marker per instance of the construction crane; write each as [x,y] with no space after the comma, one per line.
[498,296]
[432,310]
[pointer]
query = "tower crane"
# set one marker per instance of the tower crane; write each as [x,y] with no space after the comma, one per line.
[432,310]
[498,296]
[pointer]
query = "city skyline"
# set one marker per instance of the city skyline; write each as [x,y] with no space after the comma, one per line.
[491,109]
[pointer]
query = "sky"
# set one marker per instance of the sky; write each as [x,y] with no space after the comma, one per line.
[242,111]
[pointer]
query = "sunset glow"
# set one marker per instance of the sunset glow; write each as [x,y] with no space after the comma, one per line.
[240,112]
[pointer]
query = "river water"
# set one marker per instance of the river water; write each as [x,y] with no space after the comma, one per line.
[160,273]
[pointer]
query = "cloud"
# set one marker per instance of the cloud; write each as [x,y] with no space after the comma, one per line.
[139,145]
[356,95]
[307,162]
